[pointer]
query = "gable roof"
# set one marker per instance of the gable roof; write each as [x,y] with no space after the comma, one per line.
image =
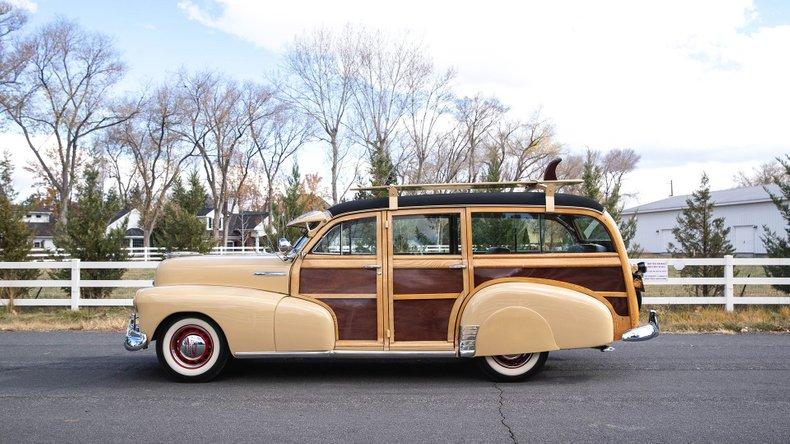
[427,200]
[732,196]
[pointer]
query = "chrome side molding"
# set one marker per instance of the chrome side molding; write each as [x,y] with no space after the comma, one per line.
[644,332]
[348,354]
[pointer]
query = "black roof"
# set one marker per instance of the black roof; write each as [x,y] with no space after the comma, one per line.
[427,200]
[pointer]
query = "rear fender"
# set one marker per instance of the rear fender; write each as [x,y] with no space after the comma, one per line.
[525,317]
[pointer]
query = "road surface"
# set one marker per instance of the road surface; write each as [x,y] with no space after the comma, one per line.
[80,386]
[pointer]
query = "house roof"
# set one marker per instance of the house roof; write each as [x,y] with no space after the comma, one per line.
[250,218]
[427,200]
[40,229]
[732,196]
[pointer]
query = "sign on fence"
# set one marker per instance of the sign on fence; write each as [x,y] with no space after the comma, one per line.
[657,271]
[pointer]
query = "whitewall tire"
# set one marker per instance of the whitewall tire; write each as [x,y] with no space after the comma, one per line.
[192,349]
[509,368]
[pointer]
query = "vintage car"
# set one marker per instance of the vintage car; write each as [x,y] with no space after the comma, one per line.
[500,277]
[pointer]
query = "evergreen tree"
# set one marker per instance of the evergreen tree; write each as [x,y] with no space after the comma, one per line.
[701,235]
[494,164]
[85,235]
[287,207]
[776,245]
[180,229]
[15,237]
[382,171]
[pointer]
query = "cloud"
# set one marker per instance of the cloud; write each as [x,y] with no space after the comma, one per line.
[667,76]
[28,5]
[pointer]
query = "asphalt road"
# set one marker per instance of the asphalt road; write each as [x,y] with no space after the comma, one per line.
[71,387]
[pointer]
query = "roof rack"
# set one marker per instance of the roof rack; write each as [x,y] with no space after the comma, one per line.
[548,185]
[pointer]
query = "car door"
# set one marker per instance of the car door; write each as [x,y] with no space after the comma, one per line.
[427,276]
[343,269]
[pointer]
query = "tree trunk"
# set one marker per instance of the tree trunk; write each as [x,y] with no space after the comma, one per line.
[335,161]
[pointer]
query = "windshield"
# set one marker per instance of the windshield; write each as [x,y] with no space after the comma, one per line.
[297,247]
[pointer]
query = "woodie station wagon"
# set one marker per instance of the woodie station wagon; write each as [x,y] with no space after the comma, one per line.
[500,277]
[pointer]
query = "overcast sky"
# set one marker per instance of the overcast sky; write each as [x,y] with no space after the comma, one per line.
[692,86]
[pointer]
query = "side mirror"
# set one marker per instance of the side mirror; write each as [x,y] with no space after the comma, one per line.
[284,245]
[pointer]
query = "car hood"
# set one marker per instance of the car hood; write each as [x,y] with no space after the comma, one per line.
[265,272]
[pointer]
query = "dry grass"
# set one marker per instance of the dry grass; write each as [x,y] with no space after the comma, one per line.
[59,319]
[677,319]
[746,319]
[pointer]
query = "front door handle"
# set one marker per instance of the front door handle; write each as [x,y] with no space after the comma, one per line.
[457,266]
[371,266]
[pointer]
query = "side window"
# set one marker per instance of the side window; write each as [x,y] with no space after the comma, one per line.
[507,233]
[502,233]
[426,234]
[350,237]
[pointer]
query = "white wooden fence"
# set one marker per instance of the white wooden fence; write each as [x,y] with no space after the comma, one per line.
[729,281]
[143,253]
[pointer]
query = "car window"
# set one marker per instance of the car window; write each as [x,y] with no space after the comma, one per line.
[426,234]
[509,233]
[501,233]
[356,236]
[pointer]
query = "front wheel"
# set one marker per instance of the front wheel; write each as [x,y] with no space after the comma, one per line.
[511,368]
[192,349]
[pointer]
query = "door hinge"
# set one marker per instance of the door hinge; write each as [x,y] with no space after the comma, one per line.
[389,334]
[386,224]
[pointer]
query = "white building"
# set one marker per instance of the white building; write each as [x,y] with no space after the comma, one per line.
[745,211]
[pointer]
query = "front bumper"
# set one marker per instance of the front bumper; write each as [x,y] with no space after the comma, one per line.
[135,339]
[643,332]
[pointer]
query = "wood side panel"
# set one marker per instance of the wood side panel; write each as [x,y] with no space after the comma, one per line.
[422,320]
[620,304]
[337,281]
[356,318]
[427,280]
[596,279]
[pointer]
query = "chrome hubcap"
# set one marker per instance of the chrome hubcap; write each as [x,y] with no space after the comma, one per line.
[512,361]
[193,347]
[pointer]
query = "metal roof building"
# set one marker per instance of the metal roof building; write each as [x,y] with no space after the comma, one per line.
[745,210]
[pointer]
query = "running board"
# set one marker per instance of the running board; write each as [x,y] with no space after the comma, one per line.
[409,354]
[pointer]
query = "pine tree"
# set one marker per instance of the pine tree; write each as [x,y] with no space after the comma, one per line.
[494,164]
[700,235]
[180,229]
[85,235]
[15,237]
[382,171]
[287,207]
[776,245]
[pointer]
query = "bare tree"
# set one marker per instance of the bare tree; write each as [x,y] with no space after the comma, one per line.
[13,55]
[61,100]
[217,119]
[319,69]
[528,147]
[477,117]
[156,150]
[429,103]
[764,174]
[386,68]
[276,140]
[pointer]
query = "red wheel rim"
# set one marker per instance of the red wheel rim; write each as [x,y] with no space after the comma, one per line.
[513,361]
[191,346]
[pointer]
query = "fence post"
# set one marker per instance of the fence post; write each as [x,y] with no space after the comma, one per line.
[729,288]
[75,284]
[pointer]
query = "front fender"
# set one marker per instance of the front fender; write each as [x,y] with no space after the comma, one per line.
[246,316]
[526,317]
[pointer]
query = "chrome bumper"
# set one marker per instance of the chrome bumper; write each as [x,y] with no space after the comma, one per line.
[135,339]
[643,332]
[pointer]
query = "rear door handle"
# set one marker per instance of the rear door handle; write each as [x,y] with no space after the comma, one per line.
[371,266]
[457,266]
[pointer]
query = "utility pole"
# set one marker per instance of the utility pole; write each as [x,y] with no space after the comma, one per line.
[671,189]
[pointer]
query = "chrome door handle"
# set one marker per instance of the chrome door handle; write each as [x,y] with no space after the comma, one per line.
[268,273]
[371,266]
[457,266]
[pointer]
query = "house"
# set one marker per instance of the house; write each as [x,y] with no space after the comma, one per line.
[745,211]
[247,228]
[42,224]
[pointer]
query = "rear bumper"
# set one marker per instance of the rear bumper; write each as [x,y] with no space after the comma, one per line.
[643,332]
[135,339]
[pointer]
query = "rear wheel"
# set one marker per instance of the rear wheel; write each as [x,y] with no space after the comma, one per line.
[511,368]
[192,349]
